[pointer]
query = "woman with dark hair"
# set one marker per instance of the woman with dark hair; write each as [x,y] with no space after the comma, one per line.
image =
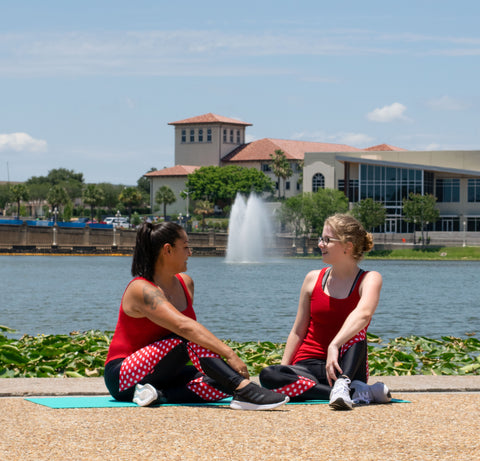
[157,335]
[327,344]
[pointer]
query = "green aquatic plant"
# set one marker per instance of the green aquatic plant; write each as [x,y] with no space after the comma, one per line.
[83,355]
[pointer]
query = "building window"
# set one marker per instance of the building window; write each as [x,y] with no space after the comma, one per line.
[474,190]
[299,185]
[473,224]
[200,135]
[184,135]
[192,135]
[266,167]
[318,182]
[231,136]
[389,185]
[238,136]
[209,135]
[352,193]
[448,190]
[447,224]
[287,185]
[224,136]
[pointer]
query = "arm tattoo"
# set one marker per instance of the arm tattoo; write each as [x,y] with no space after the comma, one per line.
[153,298]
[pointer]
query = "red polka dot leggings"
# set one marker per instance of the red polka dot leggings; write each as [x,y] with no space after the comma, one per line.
[163,364]
[307,380]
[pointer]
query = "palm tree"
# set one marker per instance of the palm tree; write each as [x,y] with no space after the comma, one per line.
[57,195]
[165,196]
[93,195]
[130,197]
[204,207]
[19,192]
[281,168]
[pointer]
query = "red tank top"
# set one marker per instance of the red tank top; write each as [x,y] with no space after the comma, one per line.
[131,334]
[327,316]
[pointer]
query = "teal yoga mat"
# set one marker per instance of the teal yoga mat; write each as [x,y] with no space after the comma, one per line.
[106,401]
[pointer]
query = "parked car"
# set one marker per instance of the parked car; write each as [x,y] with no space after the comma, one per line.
[116,221]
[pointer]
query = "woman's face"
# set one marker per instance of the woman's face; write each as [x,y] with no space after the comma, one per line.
[332,249]
[181,252]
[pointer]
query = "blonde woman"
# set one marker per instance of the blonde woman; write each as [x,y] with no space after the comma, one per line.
[326,351]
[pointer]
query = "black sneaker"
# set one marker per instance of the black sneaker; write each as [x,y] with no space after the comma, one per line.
[254,397]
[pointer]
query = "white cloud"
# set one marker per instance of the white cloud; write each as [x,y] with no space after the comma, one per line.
[355,139]
[389,113]
[447,103]
[21,142]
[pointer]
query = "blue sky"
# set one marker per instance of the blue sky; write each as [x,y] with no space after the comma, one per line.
[91,86]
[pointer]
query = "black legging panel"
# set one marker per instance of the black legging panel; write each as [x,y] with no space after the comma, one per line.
[307,380]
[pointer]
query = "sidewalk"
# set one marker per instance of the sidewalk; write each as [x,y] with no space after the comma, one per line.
[441,421]
[22,387]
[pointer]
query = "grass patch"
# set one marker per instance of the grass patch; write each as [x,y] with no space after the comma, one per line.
[428,253]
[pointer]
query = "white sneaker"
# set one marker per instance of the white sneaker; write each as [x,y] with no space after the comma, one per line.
[366,394]
[144,395]
[340,395]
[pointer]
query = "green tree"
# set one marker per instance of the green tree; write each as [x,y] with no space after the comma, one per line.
[165,196]
[420,209]
[203,208]
[370,213]
[130,197]
[72,183]
[281,168]
[291,213]
[19,192]
[4,195]
[306,212]
[111,194]
[68,211]
[220,185]
[322,204]
[94,196]
[57,196]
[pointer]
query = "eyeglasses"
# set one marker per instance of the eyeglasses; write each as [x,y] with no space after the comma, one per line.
[326,240]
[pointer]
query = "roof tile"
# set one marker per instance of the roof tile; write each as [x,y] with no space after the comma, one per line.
[210,118]
[177,170]
[294,150]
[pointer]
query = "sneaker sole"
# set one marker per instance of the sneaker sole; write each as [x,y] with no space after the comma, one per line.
[340,404]
[239,405]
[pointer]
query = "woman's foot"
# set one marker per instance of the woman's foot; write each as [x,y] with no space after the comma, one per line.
[254,397]
[145,395]
[340,395]
[366,394]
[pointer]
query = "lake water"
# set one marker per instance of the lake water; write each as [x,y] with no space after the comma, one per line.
[57,295]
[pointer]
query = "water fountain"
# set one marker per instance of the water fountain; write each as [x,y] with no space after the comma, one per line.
[249,230]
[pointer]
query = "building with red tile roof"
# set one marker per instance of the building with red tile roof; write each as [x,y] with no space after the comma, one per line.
[382,172]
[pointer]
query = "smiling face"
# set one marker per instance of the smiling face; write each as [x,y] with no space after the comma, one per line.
[334,248]
[181,252]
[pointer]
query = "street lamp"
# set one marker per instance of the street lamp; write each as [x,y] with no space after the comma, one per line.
[187,193]
[54,227]
[414,228]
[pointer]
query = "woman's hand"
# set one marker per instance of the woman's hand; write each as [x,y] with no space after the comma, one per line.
[237,364]
[332,365]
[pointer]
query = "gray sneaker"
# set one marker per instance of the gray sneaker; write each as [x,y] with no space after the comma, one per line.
[340,395]
[366,394]
[254,397]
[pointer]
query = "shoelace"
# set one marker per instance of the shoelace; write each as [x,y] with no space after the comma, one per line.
[362,397]
[341,387]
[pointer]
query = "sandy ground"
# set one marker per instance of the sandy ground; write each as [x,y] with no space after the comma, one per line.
[443,426]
